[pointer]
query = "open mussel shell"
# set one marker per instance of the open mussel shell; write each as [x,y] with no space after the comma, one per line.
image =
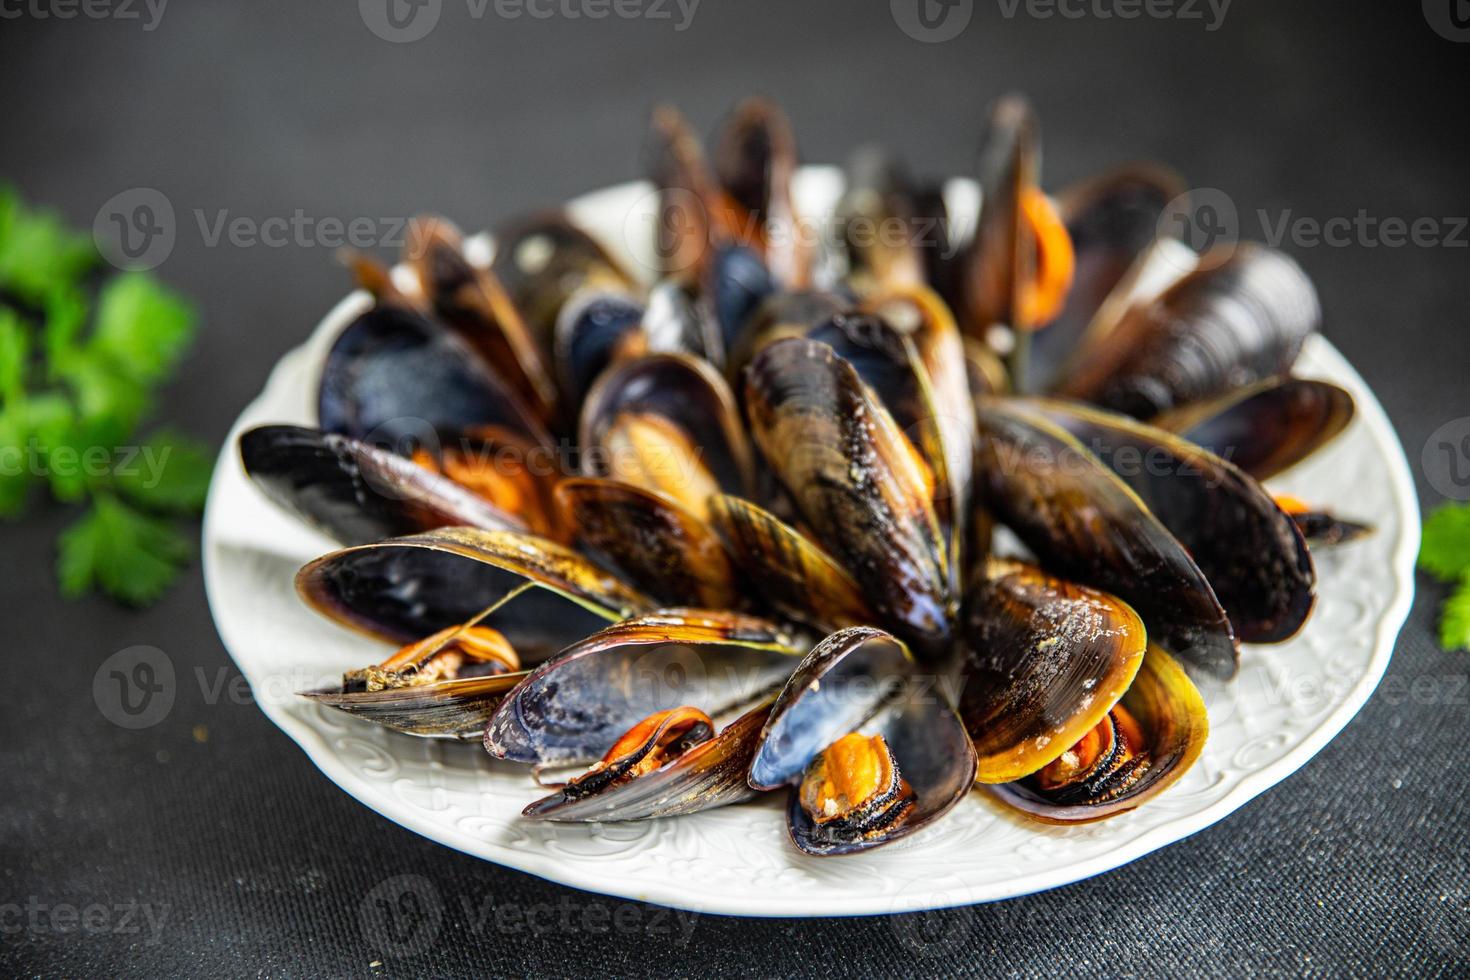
[574,707]
[755,160]
[789,571]
[1171,714]
[1085,524]
[543,260]
[358,493]
[1044,662]
[655,544]
[709,775]
[1268,427]
[693,215]
[596,328]
[857,481]
[788,313]
[1249,549]
[863,680]
[452,709]
[396,378]
[999,257]
[1240,317]
[471,301]
[690,425]
[406,588]
[1113,220]
[877,222]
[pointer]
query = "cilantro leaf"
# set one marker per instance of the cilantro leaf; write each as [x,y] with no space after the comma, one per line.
[66,312]
[129,555]
[142,327]
[1444,550]
[170,472]
[1454,618]
[38,253]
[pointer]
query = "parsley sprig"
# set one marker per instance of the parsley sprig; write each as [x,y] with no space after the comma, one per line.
[1444,552]
[80,360]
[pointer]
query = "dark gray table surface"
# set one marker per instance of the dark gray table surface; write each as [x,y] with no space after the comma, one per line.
[258,864]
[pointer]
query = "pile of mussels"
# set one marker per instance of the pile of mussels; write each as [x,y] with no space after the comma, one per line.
[676,540]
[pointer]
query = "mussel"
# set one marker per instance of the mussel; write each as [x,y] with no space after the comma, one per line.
[1084,523]
[856,480]
[1248,548]
[446,685]
[1044,662]
[541,595]
[1240,317]
[574,708]
[357,493]
[669,764]
[872,749]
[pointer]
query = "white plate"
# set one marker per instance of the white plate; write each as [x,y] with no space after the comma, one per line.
[1286,704]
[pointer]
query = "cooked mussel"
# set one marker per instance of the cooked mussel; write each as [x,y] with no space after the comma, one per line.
[471,300]
[652,541]
[444,686]
[1240,317]
[396,378]
[596,328]
[1267,427]
[755,161]
[572,708]
[543,260]
[542,595]
[1018,269]
[668,423]
[872,752]
[857,481]
[669,764]
[1147,741]
[358,493]
[1113,221]
[1044,662]
[789,571]
[1085,524]
[1249,550]
[879,228]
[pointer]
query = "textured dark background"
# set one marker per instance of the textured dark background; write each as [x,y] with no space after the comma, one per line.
[1356,864]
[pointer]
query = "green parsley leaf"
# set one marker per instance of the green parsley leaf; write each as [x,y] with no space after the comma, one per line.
[129,555]
[1444,549]
[15,476]
[15,356]
[38,253]
[1454,618]
[66,314]
[170,472]
[142,327]
[112,402]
